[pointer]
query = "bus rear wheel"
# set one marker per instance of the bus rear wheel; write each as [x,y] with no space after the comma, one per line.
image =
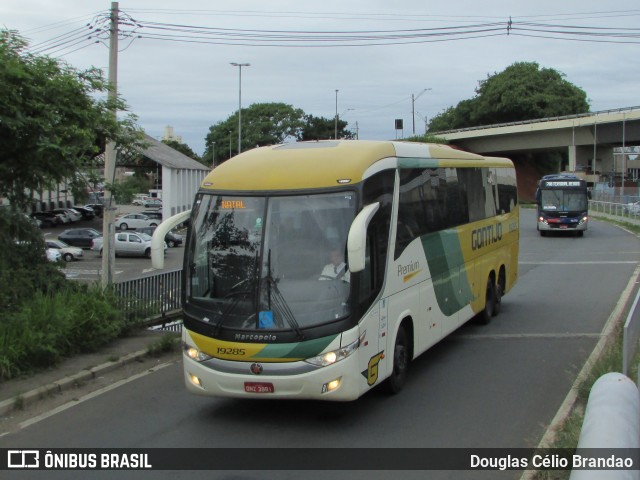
[489,303]
[398,376]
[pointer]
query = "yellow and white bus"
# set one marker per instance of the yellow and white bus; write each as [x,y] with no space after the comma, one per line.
[318,270]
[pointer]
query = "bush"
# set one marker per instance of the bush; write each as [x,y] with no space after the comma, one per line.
[52,326]
[24,268]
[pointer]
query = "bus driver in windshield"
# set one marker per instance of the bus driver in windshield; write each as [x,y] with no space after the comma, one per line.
[337,268]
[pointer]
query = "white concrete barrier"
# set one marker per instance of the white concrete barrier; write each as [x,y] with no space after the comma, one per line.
[611,421]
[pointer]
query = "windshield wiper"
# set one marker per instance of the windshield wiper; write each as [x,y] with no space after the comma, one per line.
[224,314]
[279,302]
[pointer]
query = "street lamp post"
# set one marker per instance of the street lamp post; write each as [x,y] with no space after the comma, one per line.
[213,155]
[413,109]
[335,135]
[240,65]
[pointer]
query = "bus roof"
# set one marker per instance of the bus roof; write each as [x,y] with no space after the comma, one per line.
[327,163]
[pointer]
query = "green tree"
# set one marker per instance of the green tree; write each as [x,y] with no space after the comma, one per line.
[262,124]
[320,128]
[523,91]
[51,122]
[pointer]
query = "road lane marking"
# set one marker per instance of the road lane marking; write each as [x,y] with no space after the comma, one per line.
[89,396]
[583,262]
[508,336]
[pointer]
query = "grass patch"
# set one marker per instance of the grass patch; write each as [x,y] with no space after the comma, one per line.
[52,326]
[169,342]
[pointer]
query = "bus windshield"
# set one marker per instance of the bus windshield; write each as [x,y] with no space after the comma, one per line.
[564,200]
[258,263]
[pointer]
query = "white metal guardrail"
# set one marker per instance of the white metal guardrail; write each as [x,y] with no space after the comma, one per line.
[617,211]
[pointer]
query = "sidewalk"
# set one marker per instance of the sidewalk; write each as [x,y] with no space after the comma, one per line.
[76,370]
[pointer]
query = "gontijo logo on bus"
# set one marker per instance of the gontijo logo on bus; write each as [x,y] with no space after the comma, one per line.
[485,236]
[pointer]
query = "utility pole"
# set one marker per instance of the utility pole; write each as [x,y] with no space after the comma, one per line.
[240,65]
[108,250]
[413,107]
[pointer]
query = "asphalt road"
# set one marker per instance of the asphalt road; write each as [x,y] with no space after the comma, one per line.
[498,385]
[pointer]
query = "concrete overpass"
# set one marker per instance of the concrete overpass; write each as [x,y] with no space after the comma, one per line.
[588,139]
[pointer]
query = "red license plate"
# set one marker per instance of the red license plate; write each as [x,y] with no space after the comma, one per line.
[258,387]
[564,226]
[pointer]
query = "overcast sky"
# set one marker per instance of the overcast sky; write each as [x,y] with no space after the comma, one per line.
[191,85]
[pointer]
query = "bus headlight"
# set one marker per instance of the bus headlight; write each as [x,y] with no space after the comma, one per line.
[334,356]
[583,220]
[194,354]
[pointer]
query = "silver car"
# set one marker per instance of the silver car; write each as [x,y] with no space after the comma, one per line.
[68,252]
[130,244]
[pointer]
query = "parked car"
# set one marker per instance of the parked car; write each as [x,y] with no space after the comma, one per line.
[68,252]
[64,216]
[139,198]
[152,203]
[98,208]
[53,255]
[86,212]
[79,237]
[132,244]
[71,214]
[172,239]
[153,214]
[633,208]
[134,221]
[47,219]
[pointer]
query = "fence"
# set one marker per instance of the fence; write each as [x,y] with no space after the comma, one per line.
[623,212]
[156,298]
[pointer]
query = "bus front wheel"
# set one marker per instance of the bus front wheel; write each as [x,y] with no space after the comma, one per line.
[398,376]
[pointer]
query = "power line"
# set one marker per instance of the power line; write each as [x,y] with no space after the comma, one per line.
[96,31]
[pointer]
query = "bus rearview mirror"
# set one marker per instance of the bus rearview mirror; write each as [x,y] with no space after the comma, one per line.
[357,240]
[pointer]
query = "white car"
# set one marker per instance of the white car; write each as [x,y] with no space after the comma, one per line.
[70,214]
[135,220]
[130,244]
[68,252]
[633,208]
[53,255]
[63,215]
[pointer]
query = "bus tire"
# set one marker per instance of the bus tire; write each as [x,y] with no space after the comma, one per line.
[401,350]
[489,303]
[498,299]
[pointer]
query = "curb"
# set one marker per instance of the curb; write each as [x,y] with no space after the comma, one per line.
[66,383]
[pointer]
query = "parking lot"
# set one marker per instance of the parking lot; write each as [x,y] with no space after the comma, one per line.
[89,268]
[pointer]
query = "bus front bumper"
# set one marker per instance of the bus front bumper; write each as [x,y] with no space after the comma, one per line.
[338,382]
[559,224]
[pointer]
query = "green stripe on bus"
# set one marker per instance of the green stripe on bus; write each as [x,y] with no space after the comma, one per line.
[445,259]
[408,162]
[307,349]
